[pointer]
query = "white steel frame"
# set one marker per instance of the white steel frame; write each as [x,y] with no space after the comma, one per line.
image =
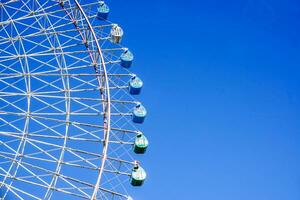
[60,78]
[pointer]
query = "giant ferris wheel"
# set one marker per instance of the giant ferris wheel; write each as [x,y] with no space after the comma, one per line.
[69,118]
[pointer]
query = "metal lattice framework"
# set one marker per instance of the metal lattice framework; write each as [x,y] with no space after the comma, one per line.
[65,111]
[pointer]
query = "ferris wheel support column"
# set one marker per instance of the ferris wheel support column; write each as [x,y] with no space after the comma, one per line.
[107,107]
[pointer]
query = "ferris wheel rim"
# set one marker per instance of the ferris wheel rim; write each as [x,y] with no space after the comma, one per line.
[106,117]
[106,105]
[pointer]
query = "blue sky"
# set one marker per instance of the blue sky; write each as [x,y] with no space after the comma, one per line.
[222,87]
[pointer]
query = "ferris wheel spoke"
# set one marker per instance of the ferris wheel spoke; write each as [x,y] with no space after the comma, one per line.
[12,105]
[93,111]
[11,85]
[5,50]
[75,90]
[79,126]
[6,144]
[9,68]
[48,32]
[76,98]
[33,154]
[15,10]
[46,53]
[14,191]
[50,83]
[39,114]
[95,156]
[31,141]
[90,82]
[10,124]
[48,173]
[73,162]
[47,106]
[29,13]
[43,64]
[45,187]
[29,175]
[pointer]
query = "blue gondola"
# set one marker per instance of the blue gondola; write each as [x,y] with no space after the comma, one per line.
[135,85]
[103,11]
[126,59]
[139,114]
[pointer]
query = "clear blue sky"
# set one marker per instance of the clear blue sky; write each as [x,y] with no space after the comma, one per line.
[222,87]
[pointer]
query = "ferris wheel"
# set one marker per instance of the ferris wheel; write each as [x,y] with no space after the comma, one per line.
[69,118]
